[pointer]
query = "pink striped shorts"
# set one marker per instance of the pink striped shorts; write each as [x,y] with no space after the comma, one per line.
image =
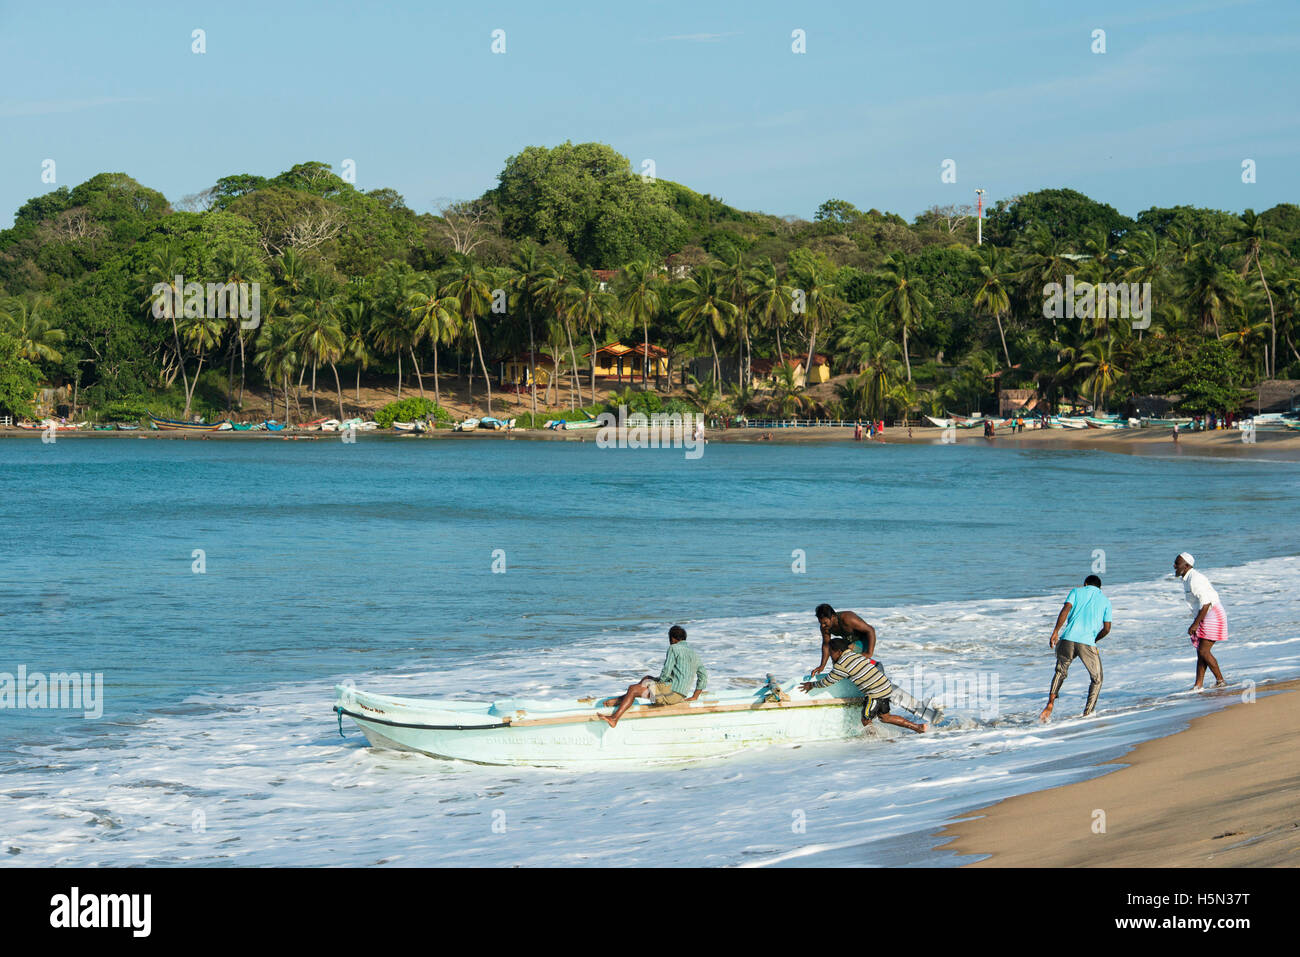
[1214,626]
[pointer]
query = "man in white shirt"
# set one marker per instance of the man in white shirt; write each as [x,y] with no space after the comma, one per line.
[1210,624]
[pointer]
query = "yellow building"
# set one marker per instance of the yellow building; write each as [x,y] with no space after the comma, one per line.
[617,361]
[515,370]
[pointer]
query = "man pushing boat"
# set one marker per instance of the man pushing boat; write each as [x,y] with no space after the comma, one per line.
[682,669]
[851,627]
[875,686]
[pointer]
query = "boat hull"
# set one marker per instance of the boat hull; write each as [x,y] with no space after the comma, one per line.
[685,732]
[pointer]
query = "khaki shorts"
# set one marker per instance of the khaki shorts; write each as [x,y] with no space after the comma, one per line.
[662,693]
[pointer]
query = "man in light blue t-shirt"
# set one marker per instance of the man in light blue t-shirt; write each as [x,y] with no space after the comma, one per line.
[1085,618]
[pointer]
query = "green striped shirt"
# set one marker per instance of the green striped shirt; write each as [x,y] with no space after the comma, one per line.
[682,669]
[871,681]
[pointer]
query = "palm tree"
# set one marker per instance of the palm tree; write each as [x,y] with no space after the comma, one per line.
[591,309]
[787,393]
[276,355]
[640,293]
[437,319]
[992,297]
[354,319]
[820,305]
[1208,290]
[771,300]
[319,338]
[734,277]
[468,284]
[1244,334]
[528,267]
[552,287]
[1252,243]
[200,334]
[24,318]
[164,265]
[903,302]
[237,264]
[1099,363]
[705,308]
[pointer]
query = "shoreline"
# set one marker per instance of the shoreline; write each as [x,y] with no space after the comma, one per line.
[1221,792]
[1156,441]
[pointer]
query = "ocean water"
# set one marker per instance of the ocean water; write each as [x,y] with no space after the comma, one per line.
[223,588]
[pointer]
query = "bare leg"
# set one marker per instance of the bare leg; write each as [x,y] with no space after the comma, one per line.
[633,692]
[1047,712]
[903,723]
[1205,659]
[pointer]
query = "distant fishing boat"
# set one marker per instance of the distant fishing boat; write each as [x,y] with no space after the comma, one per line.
[46,424]
[1073,422]
[1167,423]
[940,423]
[411,427]
[495,425]
[274,426]
[468,425]
[315,424]
[570,732]
[127,428]
[172,425]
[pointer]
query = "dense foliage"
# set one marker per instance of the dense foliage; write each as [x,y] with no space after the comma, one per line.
[573,249]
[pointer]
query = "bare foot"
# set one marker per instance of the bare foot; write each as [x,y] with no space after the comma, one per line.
[1197,688]
[1220,684]
[924,728]
[612,722]
[1047,713]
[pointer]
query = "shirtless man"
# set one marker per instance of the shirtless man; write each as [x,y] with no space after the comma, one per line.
[859,635]
[844,624]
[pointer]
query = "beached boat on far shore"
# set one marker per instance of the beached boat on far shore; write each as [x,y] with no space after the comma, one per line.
[173,425]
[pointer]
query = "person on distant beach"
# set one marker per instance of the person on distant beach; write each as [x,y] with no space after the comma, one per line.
[1210,625]
[857,431]
[875,686]
[1085,616]
[682,669]
[1175,433]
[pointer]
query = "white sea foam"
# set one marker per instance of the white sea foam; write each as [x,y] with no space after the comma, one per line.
[264,778]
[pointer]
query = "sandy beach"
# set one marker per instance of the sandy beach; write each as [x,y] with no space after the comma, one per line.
[1283,446]
[1223,793]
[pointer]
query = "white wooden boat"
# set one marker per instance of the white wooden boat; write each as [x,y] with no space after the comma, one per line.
[1073,422]
[410,427]
[469,425]
[940,423]
[559,733]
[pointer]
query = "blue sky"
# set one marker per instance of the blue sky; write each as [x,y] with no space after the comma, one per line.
[1186,90]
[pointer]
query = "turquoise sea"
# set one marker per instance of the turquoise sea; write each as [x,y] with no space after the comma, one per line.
[221,589]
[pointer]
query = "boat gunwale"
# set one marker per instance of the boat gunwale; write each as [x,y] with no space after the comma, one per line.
[637,712]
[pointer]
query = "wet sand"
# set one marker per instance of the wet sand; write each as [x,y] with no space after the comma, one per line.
[1223,793]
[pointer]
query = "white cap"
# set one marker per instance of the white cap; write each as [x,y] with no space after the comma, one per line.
[1187,558]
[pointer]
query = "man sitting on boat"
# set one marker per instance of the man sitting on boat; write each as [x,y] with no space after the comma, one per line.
[682,669]
[871,681]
